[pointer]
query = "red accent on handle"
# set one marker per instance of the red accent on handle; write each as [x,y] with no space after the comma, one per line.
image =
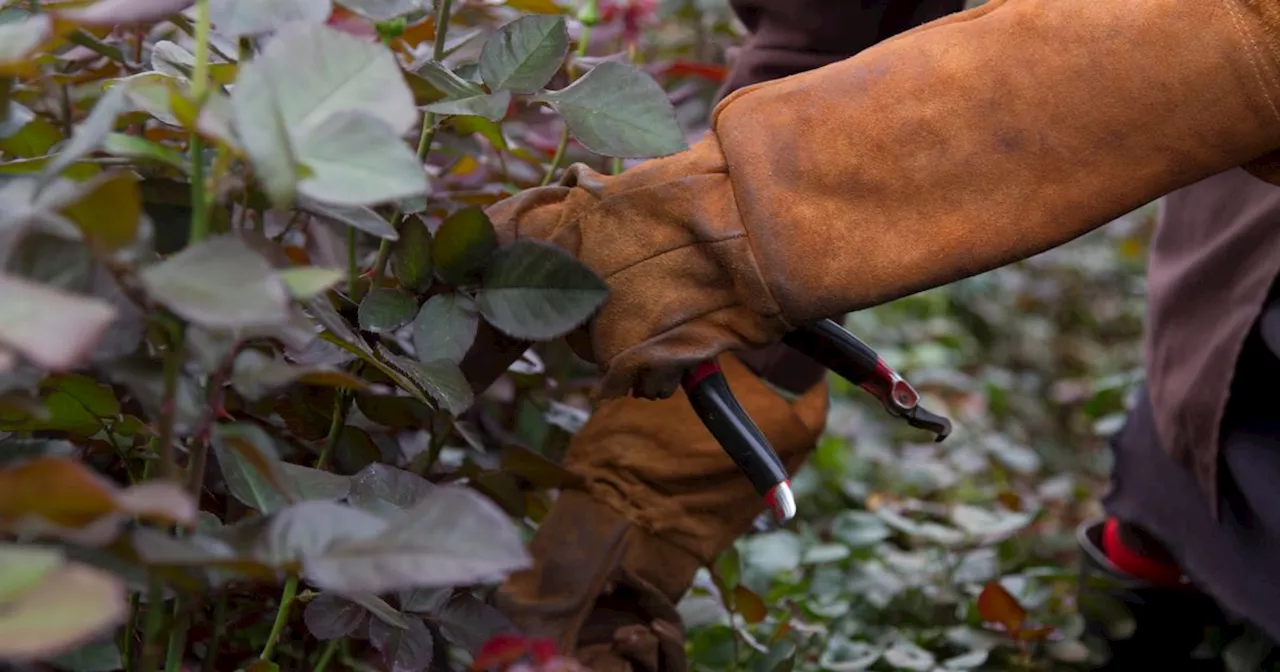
[771,498]
[703,370]
[1132,563]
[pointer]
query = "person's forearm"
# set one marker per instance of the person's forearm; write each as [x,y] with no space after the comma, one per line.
[990,136]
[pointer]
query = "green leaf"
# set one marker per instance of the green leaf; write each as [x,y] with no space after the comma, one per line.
[618,110]
[468,622]
[425,601]
[843,655]
[383,10]
[330,616]
[355,216]
[25,567]
[535,291]
[251,466]
[462,245]
[489,106]
[21,40]
[335,104]
[219,283]
[354,158]
[256,375]
[445,328]
[25,135]
[108,209]
[264,133]
[444,79]
[99,656]
[134,147]
[385,483]
[411,256]
[89,134]
[94,397]
[113,12]
[305,282]
[55,329]
[237,18]
[523,55]
[465,126]
[380,609]
[315,484]
[69,606]
[442,380]
[405,650]
[859,529]
[307,530]
[386,310]
[905,655]
[453,536]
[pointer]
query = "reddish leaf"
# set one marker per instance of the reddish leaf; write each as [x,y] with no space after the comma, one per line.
[996,605]
[351,23]
[64,492]
[708,71]
[749,604]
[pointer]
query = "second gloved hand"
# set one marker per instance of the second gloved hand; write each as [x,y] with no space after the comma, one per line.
[955,148]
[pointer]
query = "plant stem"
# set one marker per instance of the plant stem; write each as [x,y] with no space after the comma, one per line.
[327,655]
[341,403]
[155,619]
[440,431]
[177,638]
[168,408]
[215,642]
[353,271]
[199,89]
[204,32]
[282,617]
[556,160]
[428,133]
[126,645]
[563,145]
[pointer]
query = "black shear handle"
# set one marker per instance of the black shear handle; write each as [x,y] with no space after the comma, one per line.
[737,433]
[830,345]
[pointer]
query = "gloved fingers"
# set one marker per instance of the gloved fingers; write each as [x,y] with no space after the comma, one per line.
[654,368]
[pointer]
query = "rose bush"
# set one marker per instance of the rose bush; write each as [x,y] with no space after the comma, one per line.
[251,311]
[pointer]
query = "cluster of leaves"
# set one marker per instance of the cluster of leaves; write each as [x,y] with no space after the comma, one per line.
[239,423]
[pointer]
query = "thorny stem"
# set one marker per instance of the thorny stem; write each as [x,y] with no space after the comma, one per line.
[126,645]
[168,408]
[563,146]
[282,617]
[199,89]
[428,133]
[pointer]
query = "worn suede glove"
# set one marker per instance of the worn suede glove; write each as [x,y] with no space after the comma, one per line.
[661,499]
[965,144]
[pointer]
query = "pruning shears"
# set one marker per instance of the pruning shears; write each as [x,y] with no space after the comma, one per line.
[830,345]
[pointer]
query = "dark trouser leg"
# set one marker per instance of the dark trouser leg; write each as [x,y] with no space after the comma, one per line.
[1136,623]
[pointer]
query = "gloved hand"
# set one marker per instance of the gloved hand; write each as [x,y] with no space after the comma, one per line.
[960,146]
[661,499]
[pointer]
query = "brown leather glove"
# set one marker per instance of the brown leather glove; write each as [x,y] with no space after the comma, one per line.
[965,144]
[661,500]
